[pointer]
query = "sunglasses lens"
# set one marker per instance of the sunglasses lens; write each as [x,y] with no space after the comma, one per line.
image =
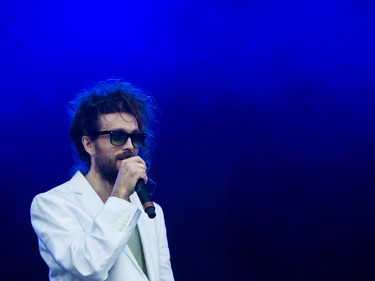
[119,138]
[138,139]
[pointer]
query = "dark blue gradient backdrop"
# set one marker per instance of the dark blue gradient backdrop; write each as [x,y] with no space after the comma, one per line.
[265,153]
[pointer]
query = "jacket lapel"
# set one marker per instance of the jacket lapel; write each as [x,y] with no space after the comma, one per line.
[86,194]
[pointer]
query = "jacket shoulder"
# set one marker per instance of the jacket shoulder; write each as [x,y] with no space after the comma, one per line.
[64,190]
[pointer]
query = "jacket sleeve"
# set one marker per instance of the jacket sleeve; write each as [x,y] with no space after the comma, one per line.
[89,251]
[166,273]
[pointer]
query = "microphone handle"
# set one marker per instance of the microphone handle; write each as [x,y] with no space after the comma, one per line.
[143,195]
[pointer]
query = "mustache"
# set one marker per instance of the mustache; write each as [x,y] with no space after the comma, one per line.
[126,154]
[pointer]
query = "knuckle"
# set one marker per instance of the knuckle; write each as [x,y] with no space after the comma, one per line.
[133,172]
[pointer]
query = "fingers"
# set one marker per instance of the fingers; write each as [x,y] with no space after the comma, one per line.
[131,170]
[134,167]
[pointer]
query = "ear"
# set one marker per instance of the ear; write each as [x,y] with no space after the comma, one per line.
[88,144]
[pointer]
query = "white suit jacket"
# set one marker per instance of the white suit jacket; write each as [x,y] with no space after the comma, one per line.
[81,238]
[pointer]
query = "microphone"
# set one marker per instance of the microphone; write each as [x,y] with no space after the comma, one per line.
[143,195]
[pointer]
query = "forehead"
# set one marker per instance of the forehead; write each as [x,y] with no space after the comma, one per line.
[118,120]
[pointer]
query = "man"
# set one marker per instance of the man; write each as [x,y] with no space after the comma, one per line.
[93,226]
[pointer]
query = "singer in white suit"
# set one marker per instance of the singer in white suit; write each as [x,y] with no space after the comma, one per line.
[93,226]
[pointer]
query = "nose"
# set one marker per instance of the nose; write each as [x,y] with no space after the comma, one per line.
[128,144]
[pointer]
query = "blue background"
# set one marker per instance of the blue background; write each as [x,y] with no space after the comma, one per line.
[265,152]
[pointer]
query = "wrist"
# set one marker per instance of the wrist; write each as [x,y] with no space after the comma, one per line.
[123,194]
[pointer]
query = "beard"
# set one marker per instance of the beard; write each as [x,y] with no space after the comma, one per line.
[106,166]
[107,170]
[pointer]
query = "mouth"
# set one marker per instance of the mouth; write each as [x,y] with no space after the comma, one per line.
[127,154]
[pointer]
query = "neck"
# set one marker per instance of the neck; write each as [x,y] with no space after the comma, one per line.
[102,187]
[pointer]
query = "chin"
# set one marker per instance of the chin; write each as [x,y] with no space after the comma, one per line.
[118,164]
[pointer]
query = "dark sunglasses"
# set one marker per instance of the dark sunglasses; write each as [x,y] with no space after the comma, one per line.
[118,138]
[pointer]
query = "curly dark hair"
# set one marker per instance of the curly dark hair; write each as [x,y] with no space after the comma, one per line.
[109,96]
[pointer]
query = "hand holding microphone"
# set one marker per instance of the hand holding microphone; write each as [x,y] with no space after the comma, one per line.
[132,177]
